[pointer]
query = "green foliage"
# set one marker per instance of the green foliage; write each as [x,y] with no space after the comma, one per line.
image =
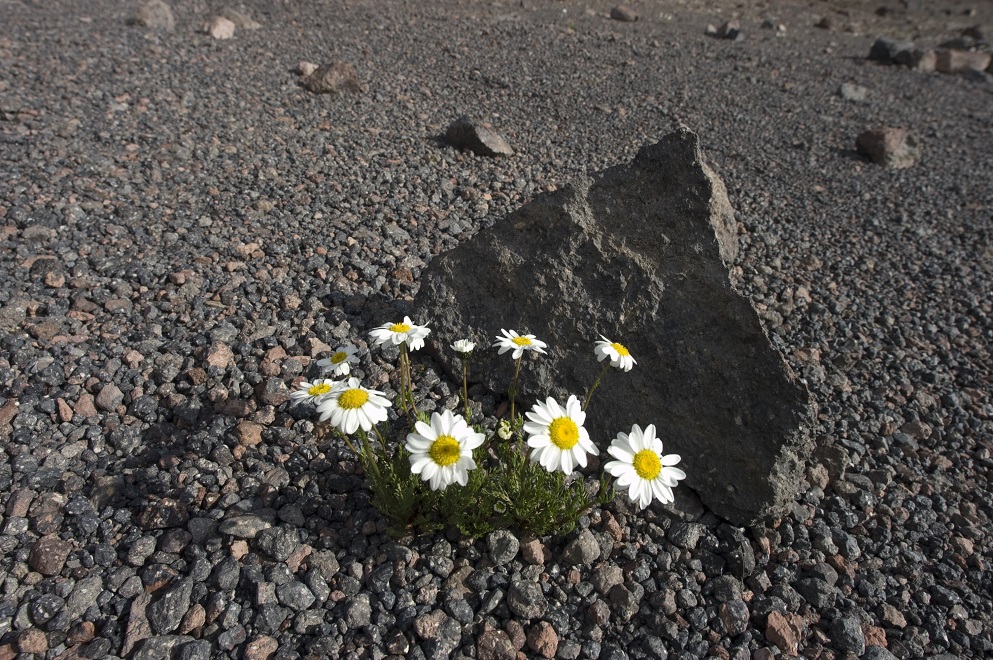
[506,491]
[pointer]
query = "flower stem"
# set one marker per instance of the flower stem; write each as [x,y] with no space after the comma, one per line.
[382,440]
[589,394]
[465,389]
[406,385]
[513,386]
[370,458]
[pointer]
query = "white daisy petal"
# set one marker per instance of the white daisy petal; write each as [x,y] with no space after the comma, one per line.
[443,450]
[642,468]
[556,435]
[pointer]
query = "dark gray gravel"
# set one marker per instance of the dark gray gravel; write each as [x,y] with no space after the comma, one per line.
[183,229]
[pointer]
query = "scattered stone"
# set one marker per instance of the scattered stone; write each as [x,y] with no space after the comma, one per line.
[495,645]
[155,14]
[305,68]
[219,27]
[333,78]
[48,555]
[853,92]
[503,546]
[847,636]
[785,631]
[526,600]
[241,20]
[165,513]
[893,148]
[248,434]
[138,627]
[735,616]
[961,61]
[583,550]
[624,14]
[464,133]
[543,640]
[887,50]
[32,640]
[744,460]
[730,30]
[165,614]
[109,398]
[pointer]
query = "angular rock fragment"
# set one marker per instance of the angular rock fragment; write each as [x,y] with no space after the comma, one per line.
[893,148]
[155,14]
[219,27]
[961,61]
[332,78]
[638,253]
[624,14]
[241,19]
[886,50]
[481,140]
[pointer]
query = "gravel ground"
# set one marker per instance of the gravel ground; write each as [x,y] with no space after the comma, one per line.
[184,228]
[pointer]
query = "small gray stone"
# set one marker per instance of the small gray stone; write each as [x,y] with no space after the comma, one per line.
[853,92]
[245,526]
[464,133]
[155,14]
[358,612]
[161,646]
[526,600]
[847,636]
[109,398]
[503,546]
[893,148]
[333,78]
[165,614]
[685,535]
[726,588]
[278,542]
[606,577]
[735,616]
[295,595]
[583,550]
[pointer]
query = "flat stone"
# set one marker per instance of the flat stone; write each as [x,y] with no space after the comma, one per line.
[543,640]
[495,645]
[624,14]
[109,398]
[893,148]
[219,27]
[961,61]
[623,243]
[333,78]
[465,133]
[156,15]
[241,20]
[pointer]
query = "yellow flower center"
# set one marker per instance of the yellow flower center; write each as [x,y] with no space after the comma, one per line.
[339,357]
[647,464]
[445,450]
[399,328]
[521,341]
[564,433]
[319,389]
[621,349]
[352,399]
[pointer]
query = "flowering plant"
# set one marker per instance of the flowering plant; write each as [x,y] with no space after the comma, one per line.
[520,473]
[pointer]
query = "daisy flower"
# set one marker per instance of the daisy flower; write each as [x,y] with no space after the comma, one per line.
[398,333]
[463,347]
[350,406]
[642,467]
[341,360]
[557,437]
[511,341]
[313,392]
[618,354]
[442,451]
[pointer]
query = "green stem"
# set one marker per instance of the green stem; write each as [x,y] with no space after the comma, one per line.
[370,459]
[513,386]
[406,394]
[382,440]
[465,389]
[589,394]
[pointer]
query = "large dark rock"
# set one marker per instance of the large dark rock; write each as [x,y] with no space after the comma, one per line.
[638,253]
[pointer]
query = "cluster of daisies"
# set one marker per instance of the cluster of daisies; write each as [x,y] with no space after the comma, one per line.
[441,451]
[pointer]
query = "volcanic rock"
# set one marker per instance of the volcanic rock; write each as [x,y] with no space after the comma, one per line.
[639,253]
[481,140]
[332,78]
[890,147]
[155,14]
